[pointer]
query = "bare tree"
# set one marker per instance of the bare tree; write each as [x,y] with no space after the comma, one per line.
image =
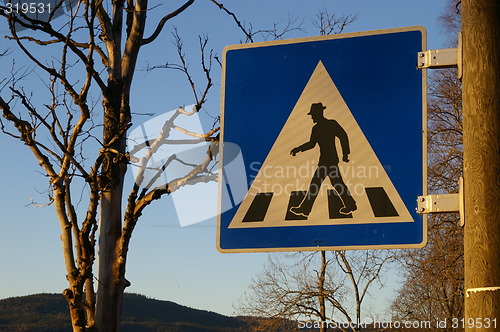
[327,288]
[433,286]
[92,57]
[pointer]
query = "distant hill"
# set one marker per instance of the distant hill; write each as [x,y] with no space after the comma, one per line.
[49,313]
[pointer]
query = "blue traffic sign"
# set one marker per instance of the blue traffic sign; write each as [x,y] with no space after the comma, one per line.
[332,134]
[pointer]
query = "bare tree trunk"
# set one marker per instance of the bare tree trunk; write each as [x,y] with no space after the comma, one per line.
[111,287]
[321,292]
[112,282]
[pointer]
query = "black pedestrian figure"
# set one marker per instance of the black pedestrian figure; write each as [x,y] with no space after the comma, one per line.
[324,133]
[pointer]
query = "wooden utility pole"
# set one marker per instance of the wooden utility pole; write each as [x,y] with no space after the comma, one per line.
[481,133]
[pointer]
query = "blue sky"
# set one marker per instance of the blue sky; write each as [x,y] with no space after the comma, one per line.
[166,261]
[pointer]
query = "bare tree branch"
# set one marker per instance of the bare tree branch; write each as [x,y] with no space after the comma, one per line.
[249,36]
[164,20]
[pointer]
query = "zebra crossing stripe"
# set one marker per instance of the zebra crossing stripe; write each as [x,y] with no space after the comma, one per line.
[258,208]
[380,204]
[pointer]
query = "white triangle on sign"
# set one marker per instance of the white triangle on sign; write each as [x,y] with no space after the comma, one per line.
[281,174]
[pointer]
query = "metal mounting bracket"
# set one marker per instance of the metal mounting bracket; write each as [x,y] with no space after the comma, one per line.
[442,58]
[443,203]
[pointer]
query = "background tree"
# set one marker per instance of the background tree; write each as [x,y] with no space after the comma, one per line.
[322,287]
[433,286]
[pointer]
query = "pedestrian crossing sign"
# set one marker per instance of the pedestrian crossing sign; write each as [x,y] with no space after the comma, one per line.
[333,143]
